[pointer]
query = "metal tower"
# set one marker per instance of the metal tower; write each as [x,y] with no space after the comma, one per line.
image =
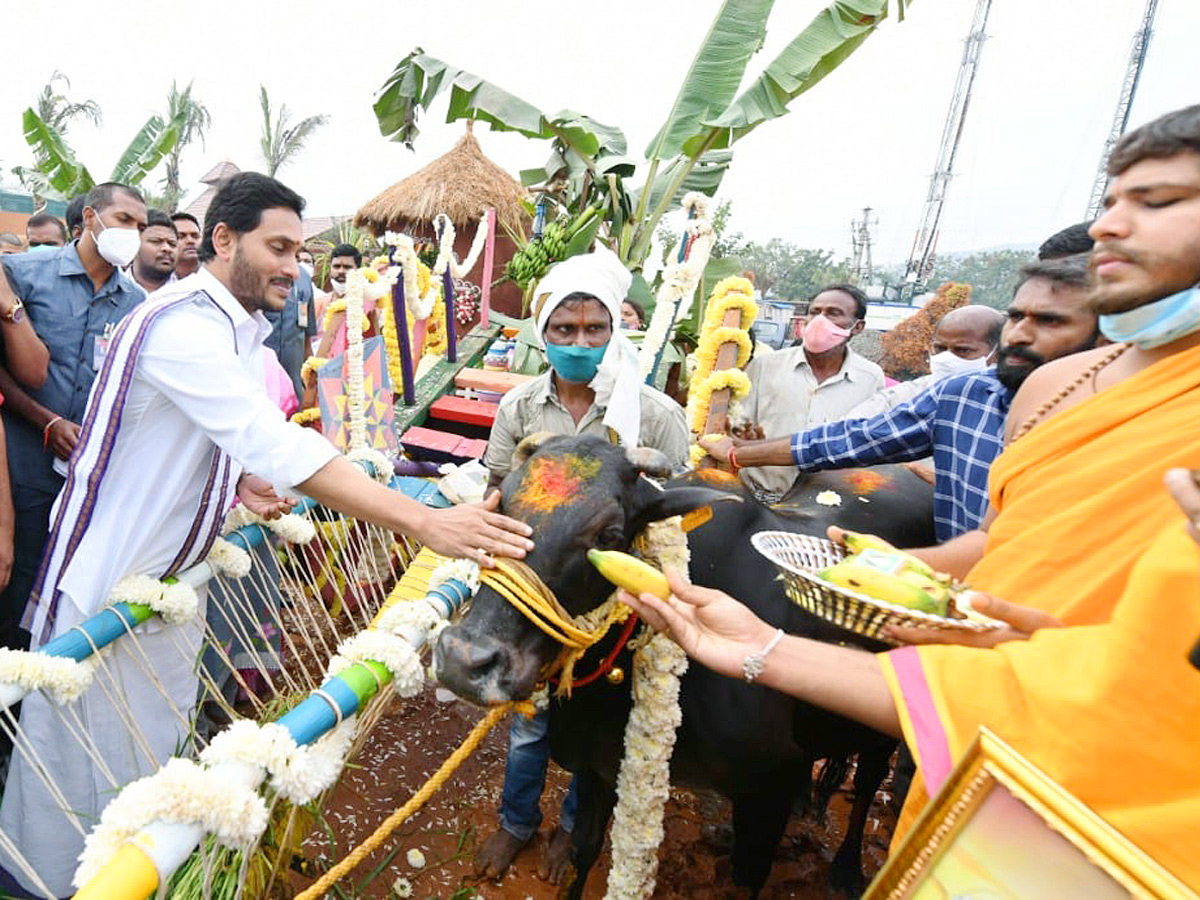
[920,262]
[860,239]
[1133,73]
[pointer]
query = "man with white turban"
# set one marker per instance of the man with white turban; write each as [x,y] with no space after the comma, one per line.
[593,387]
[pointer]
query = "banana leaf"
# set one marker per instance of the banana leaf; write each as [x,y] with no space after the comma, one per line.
[148,148]
[419,79]
[826,42]
[704,176]
[736,34]
[64,175]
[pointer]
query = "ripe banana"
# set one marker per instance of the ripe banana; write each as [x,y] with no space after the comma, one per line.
[629,572]
[857,543]
[890,588]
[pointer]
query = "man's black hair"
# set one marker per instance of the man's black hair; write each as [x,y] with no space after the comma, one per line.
[1071,240]
[101,196]
[1166,136]
[240,202]
[176,216]
[43,218]
[860,299]
[1068,270]
[346,250]
[158,217]
[74,213]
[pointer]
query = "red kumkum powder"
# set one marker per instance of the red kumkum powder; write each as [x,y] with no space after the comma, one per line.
[553,481]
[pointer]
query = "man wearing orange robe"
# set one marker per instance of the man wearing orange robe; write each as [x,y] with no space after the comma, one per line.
[1082,536]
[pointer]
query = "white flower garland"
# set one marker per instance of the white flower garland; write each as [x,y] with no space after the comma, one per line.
[64,679]
[181,791]
[177,603]
[292,528]
[445,255]
[643,782]
[228,559]
[464,570]
[379,466]
[395,653]
[405,255]
[300,774]
[679,281]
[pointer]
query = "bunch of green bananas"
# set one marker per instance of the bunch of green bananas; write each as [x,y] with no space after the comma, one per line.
[530,262]
[879,570]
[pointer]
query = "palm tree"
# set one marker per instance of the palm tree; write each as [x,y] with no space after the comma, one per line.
[56,110]
[279,142]
[195,120]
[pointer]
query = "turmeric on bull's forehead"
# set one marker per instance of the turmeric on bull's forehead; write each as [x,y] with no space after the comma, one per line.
[551,481]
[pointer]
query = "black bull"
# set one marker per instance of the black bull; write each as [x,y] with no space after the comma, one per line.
[752,744]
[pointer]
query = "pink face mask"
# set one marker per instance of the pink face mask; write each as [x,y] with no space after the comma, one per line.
[820,334]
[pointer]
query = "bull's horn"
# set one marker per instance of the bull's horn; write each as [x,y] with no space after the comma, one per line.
[528,447]
[650,461]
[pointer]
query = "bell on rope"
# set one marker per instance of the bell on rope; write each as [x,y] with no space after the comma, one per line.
[615,675]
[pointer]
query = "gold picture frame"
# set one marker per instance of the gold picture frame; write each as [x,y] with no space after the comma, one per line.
[1002,828]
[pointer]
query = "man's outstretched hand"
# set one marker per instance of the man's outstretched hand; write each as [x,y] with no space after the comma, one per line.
[476,531]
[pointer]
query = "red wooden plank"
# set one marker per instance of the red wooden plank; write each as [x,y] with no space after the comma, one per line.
[459,409]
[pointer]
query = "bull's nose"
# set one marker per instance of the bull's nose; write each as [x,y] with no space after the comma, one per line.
[471,666]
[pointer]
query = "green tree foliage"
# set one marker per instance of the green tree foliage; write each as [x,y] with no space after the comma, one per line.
[281,141]
[194,119]
[694,145]
[788,272]
[58,111]
[992,274]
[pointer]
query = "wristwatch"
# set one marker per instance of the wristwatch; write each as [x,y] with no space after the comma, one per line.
[16,314]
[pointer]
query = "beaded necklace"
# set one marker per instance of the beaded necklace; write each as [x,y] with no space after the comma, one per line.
[1090,373]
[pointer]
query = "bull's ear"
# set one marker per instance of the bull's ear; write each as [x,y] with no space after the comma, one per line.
[649,461]
[652,503]
[528,447]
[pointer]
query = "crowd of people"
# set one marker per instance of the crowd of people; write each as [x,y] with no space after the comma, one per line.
[137,349]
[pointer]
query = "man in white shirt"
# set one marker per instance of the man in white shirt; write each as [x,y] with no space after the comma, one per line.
[817,382]
[177,420]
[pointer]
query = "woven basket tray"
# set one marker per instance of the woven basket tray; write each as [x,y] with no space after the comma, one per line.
[799,556]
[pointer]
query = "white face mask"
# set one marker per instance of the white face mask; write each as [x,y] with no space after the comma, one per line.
[307,267]
[945,364]
[338,287]
[118,246]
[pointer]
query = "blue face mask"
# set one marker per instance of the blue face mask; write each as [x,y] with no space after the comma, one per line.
[572,363]
[44,248]
[1155,323]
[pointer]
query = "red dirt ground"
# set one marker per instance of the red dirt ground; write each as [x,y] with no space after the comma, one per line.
[417,735]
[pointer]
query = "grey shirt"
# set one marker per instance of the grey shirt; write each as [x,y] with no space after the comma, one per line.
[75,323]
[534,407]
[785,398]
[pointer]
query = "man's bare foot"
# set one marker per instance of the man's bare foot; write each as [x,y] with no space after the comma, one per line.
[555,861]
[496,854]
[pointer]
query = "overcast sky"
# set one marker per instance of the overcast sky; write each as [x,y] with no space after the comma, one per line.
[1047,87]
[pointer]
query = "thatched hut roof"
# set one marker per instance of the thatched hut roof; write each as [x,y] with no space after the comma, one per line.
[461,184]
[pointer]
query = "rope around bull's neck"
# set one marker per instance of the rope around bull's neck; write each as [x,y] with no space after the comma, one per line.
[521,586]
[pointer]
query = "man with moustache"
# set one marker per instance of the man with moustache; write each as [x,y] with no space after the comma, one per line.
[177,422]
[960,419]
[187,227]
[154,265]
[1081,535]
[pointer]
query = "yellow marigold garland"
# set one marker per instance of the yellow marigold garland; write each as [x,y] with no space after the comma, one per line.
[700,395]
[710,345]
[731,293]
[305,416]
[310,366]
[339,306]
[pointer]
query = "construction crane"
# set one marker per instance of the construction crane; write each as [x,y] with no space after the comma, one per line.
[920,262]
[862,270]
[1133,74]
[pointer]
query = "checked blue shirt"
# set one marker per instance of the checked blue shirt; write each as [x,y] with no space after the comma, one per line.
[960,420]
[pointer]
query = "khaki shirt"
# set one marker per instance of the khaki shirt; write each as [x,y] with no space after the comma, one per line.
[785,398]
[534,407]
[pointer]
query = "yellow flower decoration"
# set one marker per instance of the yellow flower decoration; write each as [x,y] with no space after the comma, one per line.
[310,366]
[714,316]
[305,416]
[700,396]
[391,344]
[710,345]
[339,306]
